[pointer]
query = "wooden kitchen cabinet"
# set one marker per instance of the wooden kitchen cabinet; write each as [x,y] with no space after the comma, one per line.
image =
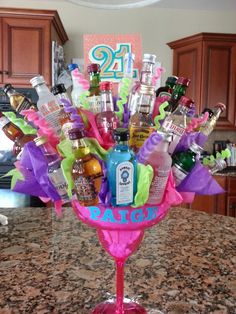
[26,44]
[209,60]
[222,204]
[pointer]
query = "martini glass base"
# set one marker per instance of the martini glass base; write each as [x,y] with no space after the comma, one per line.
[111,308]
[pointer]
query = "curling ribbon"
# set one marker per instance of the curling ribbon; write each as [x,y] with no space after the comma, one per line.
[223,155]
[21,123]
[83,100]
[80,79]
[161,115]
[195,122]
[75,117]
[43,127]
[124,92]
[158,72]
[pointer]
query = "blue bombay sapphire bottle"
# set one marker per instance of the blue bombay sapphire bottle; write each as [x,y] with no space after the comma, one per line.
[122,170]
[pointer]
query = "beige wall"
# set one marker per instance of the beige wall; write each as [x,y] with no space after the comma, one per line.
[157,26]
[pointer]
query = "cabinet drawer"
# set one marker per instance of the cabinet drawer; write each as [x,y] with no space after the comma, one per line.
[232,186]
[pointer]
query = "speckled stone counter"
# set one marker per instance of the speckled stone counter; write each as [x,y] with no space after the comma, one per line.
[185,264]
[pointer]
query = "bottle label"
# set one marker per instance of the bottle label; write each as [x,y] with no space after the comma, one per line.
[158,186]
[59,182]
[124,183]
[24,105]
[66,127]
[51,112]
[94,103]
[139,135]
[179,174]
[85,189]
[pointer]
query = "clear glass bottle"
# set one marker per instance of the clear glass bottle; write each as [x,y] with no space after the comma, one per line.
[179,91]
[122,170]
[55,173]
[106,120]
[167,90]
[210,124]
[59,91]
[176,122]
[146,75]
[94,98]
[86,170]
[158,157]
[17,100]
[141,124]
[47,104]
[183,162]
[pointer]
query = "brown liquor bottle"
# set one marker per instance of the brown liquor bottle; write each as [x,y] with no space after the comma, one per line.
[86,170]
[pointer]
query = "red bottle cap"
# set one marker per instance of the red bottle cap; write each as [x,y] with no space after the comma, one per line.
[105,86]
[186,101]
[183,81]
[93,68]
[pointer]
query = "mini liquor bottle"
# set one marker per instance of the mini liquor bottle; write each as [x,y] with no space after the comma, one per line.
[141,124]
[59,91]
[183,162]
[47,104]
[158,157]
[167,90]
[55,173]
[106,120]
[146,75]
[17,100]
[179,91]
[209,126]
[94,98]
[86,170]
[15,134]
[122,170]
[176,122]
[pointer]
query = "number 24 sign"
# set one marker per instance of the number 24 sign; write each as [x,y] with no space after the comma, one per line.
[110,52]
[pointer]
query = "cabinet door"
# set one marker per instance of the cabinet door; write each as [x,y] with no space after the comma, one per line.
[26,50]
[219,79]
[187,63]
[231,206]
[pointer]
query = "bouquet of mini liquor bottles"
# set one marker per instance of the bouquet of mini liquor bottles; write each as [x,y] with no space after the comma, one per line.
[142,146]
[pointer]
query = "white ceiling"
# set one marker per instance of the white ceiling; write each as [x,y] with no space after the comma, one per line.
[198,4]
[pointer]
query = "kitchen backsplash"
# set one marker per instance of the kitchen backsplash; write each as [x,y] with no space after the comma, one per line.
[219,136]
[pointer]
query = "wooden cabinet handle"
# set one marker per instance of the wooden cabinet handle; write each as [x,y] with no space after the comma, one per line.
[5,72]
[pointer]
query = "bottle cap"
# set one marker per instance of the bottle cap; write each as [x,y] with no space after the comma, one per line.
[72,66]
[183,81]
[186,101]
[147,57]
[105,86]
[58,89]
[6,88]
[37,80]
[171,80]
[93,68]
[121,135]
[220,106]
[167,137]
[40,140]
[76,133]
[196,148]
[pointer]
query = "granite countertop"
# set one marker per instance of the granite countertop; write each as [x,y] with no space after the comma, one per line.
[185,264]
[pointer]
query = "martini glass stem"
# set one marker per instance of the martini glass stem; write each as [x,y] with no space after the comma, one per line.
[120,286]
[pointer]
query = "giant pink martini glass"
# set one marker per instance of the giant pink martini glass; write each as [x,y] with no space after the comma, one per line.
[120,230]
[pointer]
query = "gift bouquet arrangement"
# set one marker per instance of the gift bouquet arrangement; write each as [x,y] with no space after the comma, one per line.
[141,146]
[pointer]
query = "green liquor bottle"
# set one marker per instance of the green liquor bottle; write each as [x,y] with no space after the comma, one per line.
[179,91]
[183,162]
